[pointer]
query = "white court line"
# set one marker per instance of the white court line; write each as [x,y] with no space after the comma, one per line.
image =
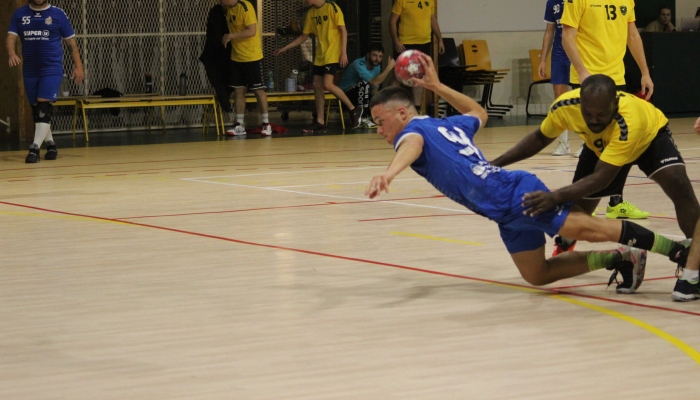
[280,173]
[465,211]
[344,183]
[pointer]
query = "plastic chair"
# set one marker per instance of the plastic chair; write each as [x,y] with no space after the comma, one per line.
[535,58]
[477,56]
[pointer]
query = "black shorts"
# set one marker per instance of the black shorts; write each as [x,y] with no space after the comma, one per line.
[328,69]
[247,74]
[424,48]
[661,153]
[359,94]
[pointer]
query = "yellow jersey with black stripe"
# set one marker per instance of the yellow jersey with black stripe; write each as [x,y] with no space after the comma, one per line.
[629,134]
[323,22]
[414,26]
[238,17]
[602,35]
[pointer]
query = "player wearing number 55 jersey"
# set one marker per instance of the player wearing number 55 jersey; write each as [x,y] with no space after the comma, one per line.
[41,28]
[596,34]
[443,152]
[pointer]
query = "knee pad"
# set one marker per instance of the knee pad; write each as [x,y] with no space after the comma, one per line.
[42,112]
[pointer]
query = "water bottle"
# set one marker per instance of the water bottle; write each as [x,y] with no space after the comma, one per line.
[65,87]
[149,83]
[183,84]
[270,81]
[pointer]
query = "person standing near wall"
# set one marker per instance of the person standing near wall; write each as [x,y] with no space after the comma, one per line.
[216,56]
[595,38]
[325,21]
[42,28]
[411,25]
[246,62]
[560,63]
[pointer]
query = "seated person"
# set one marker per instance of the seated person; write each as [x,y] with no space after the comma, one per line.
[662,23]
[364,75]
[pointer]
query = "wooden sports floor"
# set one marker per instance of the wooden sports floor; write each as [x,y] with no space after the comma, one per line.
[256,269]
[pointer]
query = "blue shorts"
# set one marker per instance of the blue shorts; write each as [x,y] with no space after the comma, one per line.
[561,71]
[42,87]
[524,233]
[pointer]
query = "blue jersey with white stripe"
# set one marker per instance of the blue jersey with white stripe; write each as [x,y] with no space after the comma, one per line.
[552,15]
[41,33]
[455,166]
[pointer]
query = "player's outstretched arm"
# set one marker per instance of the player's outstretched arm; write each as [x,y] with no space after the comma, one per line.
[461,102]
[11,45]
[410,149]
[530,145]
[301,39]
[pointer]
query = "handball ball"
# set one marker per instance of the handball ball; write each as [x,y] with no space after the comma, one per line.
[408,66]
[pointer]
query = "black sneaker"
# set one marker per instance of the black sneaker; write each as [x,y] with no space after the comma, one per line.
[632,268]
[686,290]
[315,128]
[51,152]
[356,115]
[33,156]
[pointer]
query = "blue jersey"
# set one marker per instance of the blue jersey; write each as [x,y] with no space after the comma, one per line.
[455,166]
[41,33]
[552,15]
[357,71]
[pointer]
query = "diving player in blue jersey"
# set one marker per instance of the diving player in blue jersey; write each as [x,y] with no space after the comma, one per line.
[442,151]
[41,28]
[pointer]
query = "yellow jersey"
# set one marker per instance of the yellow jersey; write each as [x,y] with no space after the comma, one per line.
[602,35]
[237,18]
[414,26]
[323,22]
[628,136]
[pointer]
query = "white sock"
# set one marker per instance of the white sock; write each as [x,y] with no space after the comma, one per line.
[49,136]
[690,275]
[41,129]
[564,137]
[265,118]
[241,119]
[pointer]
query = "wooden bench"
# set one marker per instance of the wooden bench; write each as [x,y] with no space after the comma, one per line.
[280,97]
[132,101]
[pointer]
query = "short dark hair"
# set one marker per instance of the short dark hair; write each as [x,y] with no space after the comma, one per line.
[599,84]
[664,8]
[394,93]
[375,47]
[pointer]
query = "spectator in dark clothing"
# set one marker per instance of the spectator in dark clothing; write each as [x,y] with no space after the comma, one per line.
[216,57]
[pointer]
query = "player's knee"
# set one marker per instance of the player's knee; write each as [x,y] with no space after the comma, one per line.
[536,278]
[42,112]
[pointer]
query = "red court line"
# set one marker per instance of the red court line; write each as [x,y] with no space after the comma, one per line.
[417,216]
[328,203]
[345,258]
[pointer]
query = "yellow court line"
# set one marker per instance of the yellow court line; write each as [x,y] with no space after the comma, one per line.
[439,239]
[684,347]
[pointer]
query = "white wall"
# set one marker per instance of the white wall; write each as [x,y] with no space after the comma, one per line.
[686,9]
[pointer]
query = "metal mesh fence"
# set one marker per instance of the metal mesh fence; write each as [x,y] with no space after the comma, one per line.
[121,41]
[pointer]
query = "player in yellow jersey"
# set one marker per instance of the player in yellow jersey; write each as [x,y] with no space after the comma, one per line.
[619,130]
[411,26]
[595,36]
[325,20]
[246,62]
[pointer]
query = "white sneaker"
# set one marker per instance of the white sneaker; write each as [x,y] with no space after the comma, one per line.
[369,123]
[238,130]
[578,152]
[562,149]
[266,129]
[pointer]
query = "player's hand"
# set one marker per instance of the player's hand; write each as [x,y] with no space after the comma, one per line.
[697,126]
[227,38]
[399,47]
[278,52]
[391,63]
[78,75]
[343,60]
[647,86]
[541,70]
[14,60]
[378,184]
[441,47]
[536,203]
[430,80]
